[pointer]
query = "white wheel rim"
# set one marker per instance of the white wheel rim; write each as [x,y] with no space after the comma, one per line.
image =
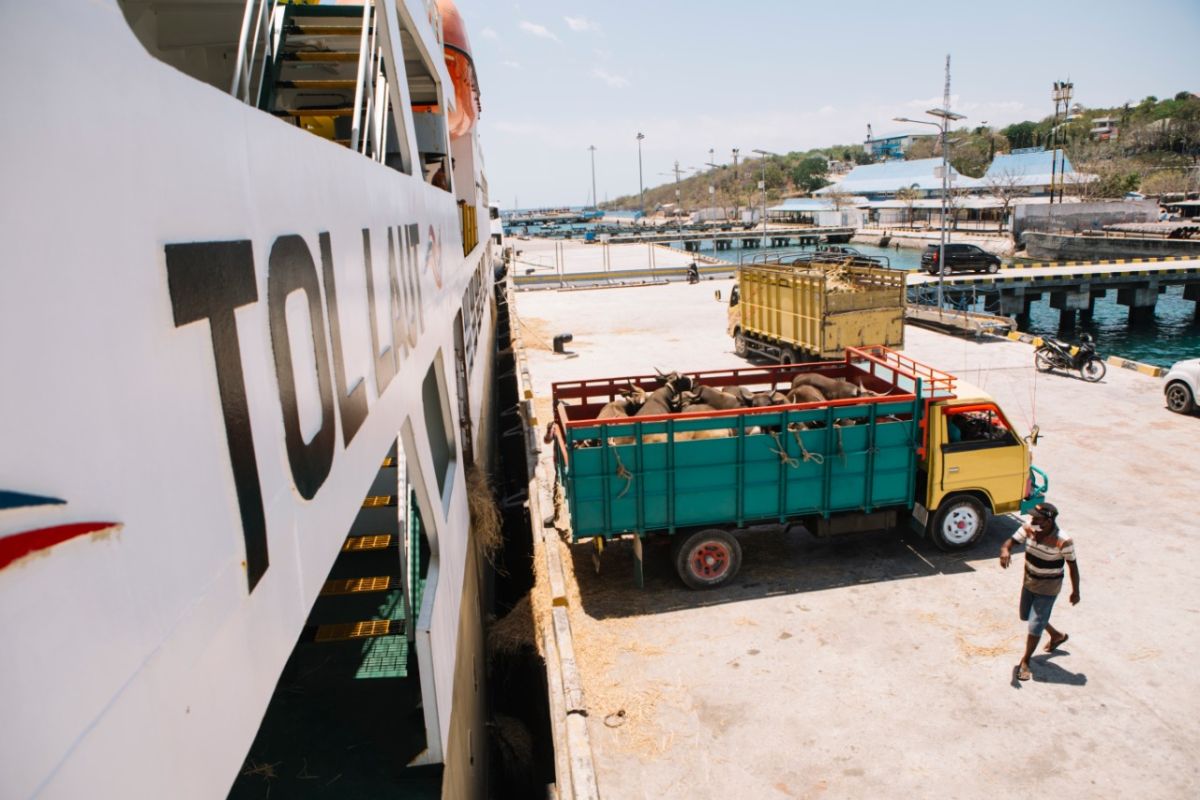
[960,525]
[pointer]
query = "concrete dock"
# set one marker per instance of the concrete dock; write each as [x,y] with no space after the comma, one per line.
[874,665]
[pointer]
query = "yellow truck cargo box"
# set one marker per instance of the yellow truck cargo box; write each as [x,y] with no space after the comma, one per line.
[817,310]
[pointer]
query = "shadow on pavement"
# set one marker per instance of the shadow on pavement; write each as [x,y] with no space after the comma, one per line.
[775,561]
[1046,671]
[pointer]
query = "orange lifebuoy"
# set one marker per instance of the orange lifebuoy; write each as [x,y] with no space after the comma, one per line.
[461,68]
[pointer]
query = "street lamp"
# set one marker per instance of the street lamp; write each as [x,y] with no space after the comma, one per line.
[944,126]
[1060,94]
[641,187]
[763,186]
[736,195]
[595,201]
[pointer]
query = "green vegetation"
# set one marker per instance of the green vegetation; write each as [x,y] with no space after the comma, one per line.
[1157,151]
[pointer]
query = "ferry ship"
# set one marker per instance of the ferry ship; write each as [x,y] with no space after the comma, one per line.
[246,328]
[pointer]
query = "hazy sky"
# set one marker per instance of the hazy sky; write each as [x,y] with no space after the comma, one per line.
[556,77]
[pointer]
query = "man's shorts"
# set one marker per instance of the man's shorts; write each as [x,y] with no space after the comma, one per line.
[1036,609]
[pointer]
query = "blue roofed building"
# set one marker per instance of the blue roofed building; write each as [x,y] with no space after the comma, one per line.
[1031,168]
[893,145]
[882,181]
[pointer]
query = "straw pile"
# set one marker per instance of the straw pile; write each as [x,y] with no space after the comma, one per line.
[485,516]
[838,279]
[513,632]
[513,744]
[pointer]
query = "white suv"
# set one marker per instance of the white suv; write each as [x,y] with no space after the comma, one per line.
[1181,385]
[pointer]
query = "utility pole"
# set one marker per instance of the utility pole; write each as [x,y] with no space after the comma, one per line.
[736,207]
[1063,90]
[763,186]
[641,186]
[945,115]
[712,189]
[595,200]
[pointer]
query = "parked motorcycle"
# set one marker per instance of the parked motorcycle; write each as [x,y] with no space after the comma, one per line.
[1055,354]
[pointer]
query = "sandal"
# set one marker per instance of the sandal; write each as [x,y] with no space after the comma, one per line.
[1052,645]
[1023,673]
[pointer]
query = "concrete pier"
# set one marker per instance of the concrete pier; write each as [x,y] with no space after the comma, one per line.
[1140,300]
[794,680]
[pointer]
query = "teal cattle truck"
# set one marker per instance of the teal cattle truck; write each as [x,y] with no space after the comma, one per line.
[916,444]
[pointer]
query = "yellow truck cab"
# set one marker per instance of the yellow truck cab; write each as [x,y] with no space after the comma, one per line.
[975,463]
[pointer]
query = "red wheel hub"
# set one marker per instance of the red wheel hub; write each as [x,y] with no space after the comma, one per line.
[710,560]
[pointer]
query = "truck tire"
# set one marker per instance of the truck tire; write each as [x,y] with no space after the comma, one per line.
[740,348]
[787,355]
[707,559]
[959,523]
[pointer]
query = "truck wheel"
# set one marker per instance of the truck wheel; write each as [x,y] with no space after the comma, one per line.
[959,523]
[787,356]
[707,559]
[739,344]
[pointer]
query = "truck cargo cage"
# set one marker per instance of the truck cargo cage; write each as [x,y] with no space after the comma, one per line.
[775,464]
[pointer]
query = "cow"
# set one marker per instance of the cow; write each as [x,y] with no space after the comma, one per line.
[831,388]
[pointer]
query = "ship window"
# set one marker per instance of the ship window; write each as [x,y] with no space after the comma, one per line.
[428,111]
[438,427]
[198,40]
[298,62]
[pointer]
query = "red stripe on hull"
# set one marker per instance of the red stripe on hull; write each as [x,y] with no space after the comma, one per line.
[20,545]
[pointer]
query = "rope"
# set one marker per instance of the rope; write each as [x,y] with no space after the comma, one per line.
[816,458]
[621,471]
[781,452]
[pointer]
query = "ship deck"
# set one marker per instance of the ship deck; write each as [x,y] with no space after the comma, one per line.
[874,665]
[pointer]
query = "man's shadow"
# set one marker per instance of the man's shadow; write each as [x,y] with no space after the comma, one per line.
[1046,671]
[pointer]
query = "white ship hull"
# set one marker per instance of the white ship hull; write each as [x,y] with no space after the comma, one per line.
[139,658]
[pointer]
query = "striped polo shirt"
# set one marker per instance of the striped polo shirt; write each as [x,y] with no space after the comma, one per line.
[1045,560]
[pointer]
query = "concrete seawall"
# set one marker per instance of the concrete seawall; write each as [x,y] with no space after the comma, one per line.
[1069,247]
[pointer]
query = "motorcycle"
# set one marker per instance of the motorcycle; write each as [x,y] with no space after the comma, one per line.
[1055,354]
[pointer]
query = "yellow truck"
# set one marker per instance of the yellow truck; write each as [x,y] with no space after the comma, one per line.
[814,310]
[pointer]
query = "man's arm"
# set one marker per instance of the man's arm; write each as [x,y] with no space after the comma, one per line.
[1006,548]
[1073,569]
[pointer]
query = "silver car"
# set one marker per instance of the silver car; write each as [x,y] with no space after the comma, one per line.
[1181,385]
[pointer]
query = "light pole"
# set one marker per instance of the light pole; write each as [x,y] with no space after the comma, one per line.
[641,188]
[736,208]
[1061,94]
[944,126]
[595,200]
[763,186]
[712,189]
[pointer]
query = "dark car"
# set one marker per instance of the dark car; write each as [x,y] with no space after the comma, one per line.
[959,258]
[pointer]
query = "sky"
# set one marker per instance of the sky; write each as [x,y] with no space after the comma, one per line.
[557,77]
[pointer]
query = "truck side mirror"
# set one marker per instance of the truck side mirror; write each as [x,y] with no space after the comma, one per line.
[717,294]
[1034,434]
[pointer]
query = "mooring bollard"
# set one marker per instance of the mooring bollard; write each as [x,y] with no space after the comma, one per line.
[560,342]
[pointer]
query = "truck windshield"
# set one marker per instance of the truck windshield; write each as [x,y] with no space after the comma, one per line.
[971,427]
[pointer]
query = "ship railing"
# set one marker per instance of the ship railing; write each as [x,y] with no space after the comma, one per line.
[258,32]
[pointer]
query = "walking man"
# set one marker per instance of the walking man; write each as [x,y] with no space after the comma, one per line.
[1047,552]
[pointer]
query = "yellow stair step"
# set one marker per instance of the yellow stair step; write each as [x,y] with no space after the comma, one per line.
[361,544]
[378,583]
[379,501]
[343,631]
